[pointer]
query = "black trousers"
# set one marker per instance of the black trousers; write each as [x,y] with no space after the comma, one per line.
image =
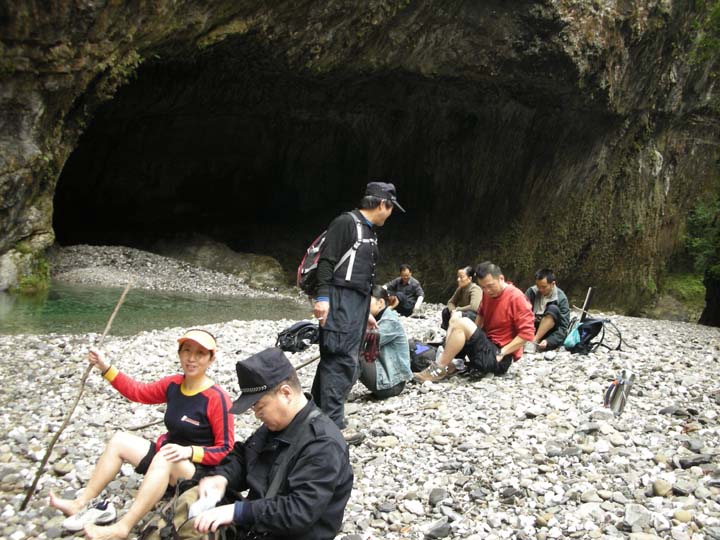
[340,340]
[368,376]
[405,305]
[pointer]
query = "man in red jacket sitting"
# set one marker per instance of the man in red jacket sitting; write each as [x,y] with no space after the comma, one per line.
[503,324]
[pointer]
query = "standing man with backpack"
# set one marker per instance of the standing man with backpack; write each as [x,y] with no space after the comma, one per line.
[345,275]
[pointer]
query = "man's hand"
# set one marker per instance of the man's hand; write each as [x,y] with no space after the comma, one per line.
[499,357]
[211,519]
[321,310]
[543,345]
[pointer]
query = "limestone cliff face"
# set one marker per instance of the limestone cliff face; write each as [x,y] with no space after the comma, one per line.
[571,134]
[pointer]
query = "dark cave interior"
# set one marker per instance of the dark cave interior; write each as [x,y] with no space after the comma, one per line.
[232,144]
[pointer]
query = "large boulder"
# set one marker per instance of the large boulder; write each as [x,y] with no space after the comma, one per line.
[259,271]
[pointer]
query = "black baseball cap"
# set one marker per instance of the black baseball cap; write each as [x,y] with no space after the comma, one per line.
[258,375]
[383,190]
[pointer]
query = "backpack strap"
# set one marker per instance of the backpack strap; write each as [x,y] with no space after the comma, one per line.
[614,330]
[595,346]
[350,253]
[299,437]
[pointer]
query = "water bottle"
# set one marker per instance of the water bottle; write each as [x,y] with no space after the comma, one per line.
[459,364]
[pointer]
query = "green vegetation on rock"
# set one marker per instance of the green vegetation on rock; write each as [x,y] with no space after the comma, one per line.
[703,237]
[687,288]
[37,282]
[707,41]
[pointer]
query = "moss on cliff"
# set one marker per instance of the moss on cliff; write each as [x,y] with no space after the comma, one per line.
[687,288]
[38,281]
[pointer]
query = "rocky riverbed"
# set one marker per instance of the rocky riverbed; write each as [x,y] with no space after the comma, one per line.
[112,266]
[531,454]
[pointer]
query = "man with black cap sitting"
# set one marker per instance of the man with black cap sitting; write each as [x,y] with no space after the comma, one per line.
[345,274]
[295,466]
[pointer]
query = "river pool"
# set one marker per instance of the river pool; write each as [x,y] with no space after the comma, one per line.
[79,309]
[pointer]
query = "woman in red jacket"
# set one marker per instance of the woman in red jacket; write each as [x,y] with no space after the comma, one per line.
[200,432]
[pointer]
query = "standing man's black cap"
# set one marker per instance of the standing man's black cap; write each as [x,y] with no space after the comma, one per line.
[383,190]
[258,375]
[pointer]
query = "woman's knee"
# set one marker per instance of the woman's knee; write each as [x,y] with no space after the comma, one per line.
[159,463]
[174,469]
[120,442]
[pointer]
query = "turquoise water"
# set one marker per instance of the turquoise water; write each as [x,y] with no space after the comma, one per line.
[80,309]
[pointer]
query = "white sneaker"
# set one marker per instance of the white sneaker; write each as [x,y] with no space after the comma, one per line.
[99,513]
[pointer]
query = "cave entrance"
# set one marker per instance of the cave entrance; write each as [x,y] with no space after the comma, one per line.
[231,144]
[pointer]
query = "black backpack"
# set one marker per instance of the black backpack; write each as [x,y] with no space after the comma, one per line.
[307,271]
[588,332]
[298,337]
[421,355]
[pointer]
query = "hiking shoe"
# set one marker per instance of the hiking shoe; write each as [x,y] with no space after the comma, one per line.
[99,513]
[434,373]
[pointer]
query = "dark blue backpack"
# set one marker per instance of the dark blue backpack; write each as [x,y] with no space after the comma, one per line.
[298,337]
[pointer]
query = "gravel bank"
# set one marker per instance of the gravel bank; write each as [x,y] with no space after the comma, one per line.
[527,455]
[113,266]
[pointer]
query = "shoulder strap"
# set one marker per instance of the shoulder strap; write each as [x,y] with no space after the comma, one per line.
[350,253]
[299,437]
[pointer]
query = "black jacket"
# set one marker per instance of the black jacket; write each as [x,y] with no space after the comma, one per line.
[341,235]
[311,502]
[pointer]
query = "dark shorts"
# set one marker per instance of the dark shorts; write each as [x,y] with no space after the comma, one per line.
[145,462]
[481,354]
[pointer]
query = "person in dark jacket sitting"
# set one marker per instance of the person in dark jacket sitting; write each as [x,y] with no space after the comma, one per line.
[551,309]
[406,293]
[295,466]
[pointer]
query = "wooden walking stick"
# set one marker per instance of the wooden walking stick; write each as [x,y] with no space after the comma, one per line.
[55,438]
[306,363]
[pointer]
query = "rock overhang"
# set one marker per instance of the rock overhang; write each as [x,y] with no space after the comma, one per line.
[490,105]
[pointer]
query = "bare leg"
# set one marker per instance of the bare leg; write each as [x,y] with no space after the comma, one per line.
[546,324]
[459,331]
[160,474]
[122,447]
